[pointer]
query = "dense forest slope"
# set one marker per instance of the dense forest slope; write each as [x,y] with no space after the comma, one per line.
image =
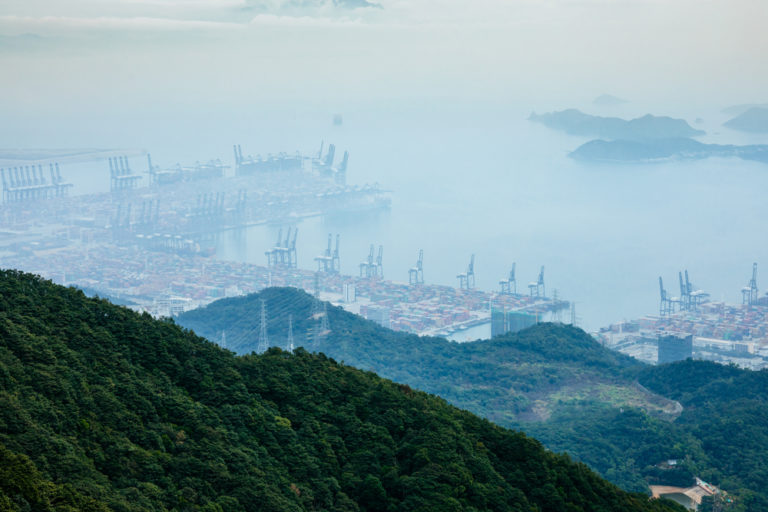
[542,373]
[554,382]
[726,411]
[104,409]
[510,378]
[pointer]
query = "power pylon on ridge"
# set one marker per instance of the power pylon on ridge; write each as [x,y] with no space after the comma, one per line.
[325,326]
[263,344]
[290,333]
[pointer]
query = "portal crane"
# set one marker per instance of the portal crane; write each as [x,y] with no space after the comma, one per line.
[696,297]
[536,288]
[325,260]
[275,255]
[467,279]
[509,285]
[416,274]
[380,263]
[367,265]
[667,305]
[336,258]
[749,292]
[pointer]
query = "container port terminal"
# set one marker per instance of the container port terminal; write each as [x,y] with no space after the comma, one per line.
[164,283]
[148,241]
[728,333]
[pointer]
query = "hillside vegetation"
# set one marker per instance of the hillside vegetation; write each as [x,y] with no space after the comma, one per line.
[513,377]
[557,384]
[104,409]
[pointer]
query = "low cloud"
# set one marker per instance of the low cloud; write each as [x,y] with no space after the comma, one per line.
[274,20]
[14,25]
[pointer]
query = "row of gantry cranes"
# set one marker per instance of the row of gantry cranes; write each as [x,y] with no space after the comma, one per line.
[283,254]
[691,298]
[24,182]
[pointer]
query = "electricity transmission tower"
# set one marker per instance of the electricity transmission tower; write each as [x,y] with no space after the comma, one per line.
[290,333]
[263,344]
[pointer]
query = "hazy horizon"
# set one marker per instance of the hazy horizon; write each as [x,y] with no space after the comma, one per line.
[209,54]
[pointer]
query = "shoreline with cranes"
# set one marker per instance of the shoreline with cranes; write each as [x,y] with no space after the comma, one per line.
[727,333]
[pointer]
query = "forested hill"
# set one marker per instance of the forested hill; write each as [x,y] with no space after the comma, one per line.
[529,380]
[726,411]
[506,379]
[104,409]
[555,383]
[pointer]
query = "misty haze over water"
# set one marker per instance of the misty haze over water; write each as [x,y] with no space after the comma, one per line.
[487,181]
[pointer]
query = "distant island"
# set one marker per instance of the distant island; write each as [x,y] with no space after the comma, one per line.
[608,100]
[753,120]
[645,151]
[575,122]
[735,110]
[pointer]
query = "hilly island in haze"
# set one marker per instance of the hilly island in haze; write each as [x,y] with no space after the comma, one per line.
[754,119]
[105,409]
[651,138]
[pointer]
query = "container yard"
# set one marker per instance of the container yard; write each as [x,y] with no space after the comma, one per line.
[728,333]
[163,283]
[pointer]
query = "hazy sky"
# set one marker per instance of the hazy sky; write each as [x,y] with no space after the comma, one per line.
[83,54]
